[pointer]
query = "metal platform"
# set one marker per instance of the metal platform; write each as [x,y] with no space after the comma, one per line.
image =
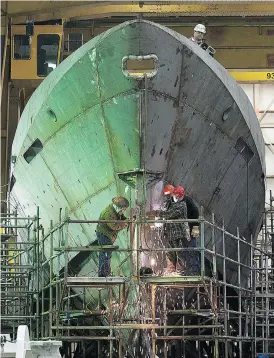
[172,280]
[87,248]
[95,281]
[193,312]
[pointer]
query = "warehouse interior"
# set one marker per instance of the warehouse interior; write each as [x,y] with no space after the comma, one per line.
[42,291]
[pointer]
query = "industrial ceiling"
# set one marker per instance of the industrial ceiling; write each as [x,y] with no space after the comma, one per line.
[22,11]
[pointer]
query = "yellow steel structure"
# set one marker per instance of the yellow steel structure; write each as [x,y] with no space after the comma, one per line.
[253,76]
[26,69]
[243,46]
[20,11]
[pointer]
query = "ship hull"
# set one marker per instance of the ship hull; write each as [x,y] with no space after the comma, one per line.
[200,132]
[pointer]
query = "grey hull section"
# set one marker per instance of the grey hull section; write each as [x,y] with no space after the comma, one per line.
[203,134]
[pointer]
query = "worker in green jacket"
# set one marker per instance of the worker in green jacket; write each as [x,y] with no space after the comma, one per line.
[107,232]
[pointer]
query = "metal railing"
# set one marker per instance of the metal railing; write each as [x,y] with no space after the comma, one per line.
[217,305]
[20,273]
[227,305]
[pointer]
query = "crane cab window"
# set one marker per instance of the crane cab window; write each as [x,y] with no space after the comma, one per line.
[47,53]
[21,49]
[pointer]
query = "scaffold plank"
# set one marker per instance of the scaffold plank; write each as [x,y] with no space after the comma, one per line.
[83,338]
[116,326]
[73,314]
[201,312]
[171,280]
[96,281]
[87,248]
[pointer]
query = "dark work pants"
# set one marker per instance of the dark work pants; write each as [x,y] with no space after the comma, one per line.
[104,256]
[194,267]
[189,260]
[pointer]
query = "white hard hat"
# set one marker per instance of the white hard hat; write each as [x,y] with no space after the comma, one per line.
[200,28]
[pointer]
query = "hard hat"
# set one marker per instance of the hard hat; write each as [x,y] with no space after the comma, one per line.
[200,28]
[168,189]
[179,191]
[120,202]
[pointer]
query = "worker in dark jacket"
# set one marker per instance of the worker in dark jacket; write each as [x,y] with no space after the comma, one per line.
[193,257]
[107,232]
[177,233]
[192,210]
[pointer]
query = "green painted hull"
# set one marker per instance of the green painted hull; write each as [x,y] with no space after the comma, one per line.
[95,135]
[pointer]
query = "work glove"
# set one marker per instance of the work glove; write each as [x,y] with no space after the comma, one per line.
[195,233]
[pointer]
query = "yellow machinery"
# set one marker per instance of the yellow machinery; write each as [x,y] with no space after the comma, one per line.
[34,57]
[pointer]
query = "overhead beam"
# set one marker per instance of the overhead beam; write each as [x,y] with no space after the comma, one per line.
[86,10]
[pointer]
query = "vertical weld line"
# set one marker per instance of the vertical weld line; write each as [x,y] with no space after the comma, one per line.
[145,140]
[141,154]
[105,123]
[174,129]
[141,159]
[106,129]
[145,124]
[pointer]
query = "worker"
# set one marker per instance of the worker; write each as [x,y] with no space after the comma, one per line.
[192,210]
[177,233]
[168,190]
[198,38]
[193,258]
[194,255]
[107,232]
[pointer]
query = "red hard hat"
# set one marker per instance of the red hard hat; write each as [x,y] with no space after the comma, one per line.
[179,191]
[168,189]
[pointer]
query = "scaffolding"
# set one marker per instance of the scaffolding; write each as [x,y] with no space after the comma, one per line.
[19,273]
[206,313]
[212,313]
[264,283]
